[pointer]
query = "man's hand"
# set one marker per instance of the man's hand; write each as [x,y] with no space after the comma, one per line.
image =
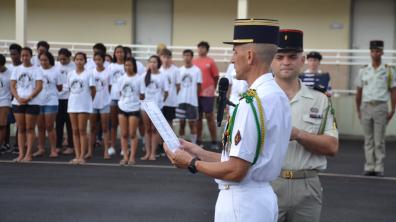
[181,159]
[390,115]
[191,148]
[295,134]
[359,114]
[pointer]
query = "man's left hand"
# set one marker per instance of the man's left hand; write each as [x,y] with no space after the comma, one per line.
[390,115]
[181,159]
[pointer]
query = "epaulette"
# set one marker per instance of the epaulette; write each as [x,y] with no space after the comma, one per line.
[320,88]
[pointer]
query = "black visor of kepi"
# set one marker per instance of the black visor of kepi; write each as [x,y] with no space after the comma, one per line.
[255,31]
[290,40]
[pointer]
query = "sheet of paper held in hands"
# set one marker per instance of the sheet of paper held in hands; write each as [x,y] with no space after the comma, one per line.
[161,125]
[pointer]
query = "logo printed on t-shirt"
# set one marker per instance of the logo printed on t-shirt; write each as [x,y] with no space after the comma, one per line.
[24,80]
[99,84]
[152,87]
[127,90]
[186,80]
[2,84]
[77,86]
[116,76]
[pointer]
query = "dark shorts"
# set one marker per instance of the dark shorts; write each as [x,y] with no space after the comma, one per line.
[205,104]
[26,109]
[169,112]
[129,114]
[187,111]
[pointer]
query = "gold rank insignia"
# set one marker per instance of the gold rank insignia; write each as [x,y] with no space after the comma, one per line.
[237,138]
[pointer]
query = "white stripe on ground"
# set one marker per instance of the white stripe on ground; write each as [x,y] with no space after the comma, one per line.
[172,167]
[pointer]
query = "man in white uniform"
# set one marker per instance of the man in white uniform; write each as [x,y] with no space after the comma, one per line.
[257,134]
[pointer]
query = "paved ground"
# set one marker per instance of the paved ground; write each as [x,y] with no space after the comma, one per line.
[52,190]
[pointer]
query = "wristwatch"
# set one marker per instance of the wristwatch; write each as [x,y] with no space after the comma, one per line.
[191,167]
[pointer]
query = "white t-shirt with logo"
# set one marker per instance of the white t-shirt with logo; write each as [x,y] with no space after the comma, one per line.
[102,83]
[156,89]
[5,91]
[116,72]
[64,70]
[130,88]
[26,78]
[91,64]
[172,74]
[80,100]
[11,67]
[189,79]
[51,79]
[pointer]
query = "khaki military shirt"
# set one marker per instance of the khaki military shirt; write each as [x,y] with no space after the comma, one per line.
[374,83]
[308,111]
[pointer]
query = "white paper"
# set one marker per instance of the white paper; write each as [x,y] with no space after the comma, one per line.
[162,126]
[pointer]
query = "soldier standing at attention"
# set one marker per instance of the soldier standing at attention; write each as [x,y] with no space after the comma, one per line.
[375,85]
[314,136]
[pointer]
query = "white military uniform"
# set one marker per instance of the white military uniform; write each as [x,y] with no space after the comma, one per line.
[253,199]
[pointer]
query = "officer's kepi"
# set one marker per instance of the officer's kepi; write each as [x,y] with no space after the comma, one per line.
[255,31]
[376,44]
[290,40]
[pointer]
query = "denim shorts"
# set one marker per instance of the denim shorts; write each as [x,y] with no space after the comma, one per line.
[48,109]
[104,110]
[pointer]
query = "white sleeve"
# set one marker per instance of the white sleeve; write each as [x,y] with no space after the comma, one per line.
[14,74]
[59,80]
[177,76]
[358,81]
[244,134]
[199,80]
[142,85]
[39,75]
[91,79]
[165,83]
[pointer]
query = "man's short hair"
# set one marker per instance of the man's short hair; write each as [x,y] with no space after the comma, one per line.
[2,60]
[166,52]
[204,44]
[100,46]
[43,44]
[188,51]
[15,47]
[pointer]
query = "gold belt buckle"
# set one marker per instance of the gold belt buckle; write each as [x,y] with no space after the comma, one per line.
[288,174]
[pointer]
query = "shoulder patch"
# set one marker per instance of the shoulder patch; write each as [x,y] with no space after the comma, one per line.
[237,138]
[320,88]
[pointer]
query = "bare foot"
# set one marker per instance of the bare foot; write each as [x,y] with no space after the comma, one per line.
[82,161]
[39,153]
[74,161]
[152,158]
[68,151]
[88,156]
[106,156]
[27,159]
[53,155]
[17,160]
[131,162]
[144,157]
[123,162]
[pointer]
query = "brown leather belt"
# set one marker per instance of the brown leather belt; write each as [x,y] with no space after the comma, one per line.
[375,102]
[298,174]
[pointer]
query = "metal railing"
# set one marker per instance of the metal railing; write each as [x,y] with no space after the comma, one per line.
[220,54]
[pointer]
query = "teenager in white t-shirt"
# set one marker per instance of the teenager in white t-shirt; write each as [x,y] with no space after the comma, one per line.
[5,97]
[116,72]
[65,66]
[171,73]
[52,84]
[190,79]
[97,48]
[236,89]
[130,88]
[41,47]
[81,84]
[15,55]
[101,106]
[26,84]
[155,89]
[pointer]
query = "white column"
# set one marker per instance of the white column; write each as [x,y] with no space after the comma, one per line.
[243,9]
[20,21]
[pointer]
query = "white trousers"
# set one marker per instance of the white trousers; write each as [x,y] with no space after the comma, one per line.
[247,204]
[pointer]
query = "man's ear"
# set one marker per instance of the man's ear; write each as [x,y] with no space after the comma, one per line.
[303,59]
[250,55]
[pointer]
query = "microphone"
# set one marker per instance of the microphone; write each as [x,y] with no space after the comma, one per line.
[222,99]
